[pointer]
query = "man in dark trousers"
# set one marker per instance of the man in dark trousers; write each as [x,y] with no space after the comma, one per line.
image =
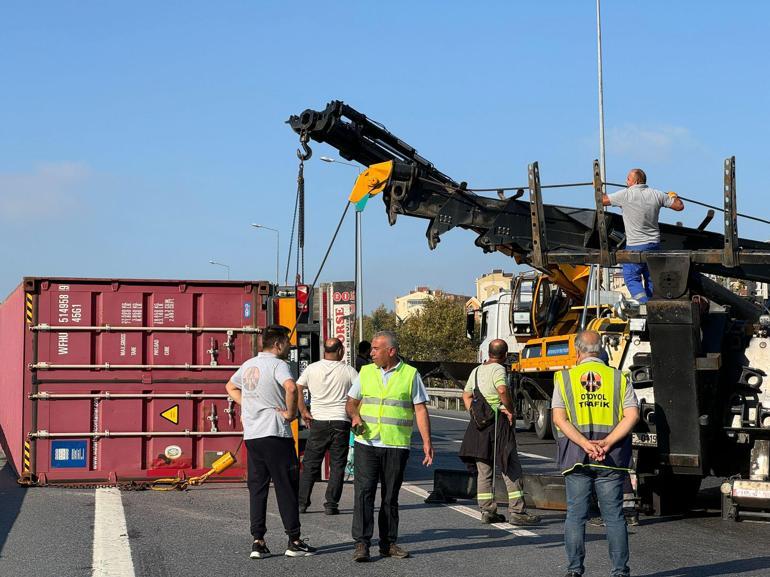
[384,402]
[494,447]
[328,382]
[265,389]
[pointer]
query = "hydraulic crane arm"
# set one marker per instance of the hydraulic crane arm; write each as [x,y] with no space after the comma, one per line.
[539,234]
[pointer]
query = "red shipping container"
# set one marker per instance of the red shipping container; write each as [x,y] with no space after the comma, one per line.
[117,380]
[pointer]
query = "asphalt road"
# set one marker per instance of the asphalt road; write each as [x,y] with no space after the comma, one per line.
[74,533]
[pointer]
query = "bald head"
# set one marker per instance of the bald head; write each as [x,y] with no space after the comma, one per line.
[333,349]
[588,344]
[498,349]
[636,176]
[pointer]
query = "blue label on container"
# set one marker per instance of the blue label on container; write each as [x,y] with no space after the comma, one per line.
[247,310]
[68,454]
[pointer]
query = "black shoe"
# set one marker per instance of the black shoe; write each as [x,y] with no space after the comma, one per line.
[632,519]
[299,548]
[393,550]
[259,550]
[303,509]
[488,518]
[523,519]
[596,521]
[361,554]
[331,511]
[573,574]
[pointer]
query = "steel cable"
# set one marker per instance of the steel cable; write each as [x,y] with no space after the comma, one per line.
[311,287]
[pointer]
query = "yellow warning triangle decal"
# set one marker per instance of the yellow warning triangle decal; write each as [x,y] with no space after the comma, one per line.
[171,414]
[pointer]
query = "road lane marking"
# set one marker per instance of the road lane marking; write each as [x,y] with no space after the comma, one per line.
[432,416]
[522,454]
[112,553]
[420,492]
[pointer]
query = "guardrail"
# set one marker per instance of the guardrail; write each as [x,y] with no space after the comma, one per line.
[449,399]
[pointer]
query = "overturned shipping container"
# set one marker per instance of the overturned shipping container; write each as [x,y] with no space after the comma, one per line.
[120,380]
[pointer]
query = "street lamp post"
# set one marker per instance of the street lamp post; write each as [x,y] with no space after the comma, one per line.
[277,246]
[359,273]
[227,266]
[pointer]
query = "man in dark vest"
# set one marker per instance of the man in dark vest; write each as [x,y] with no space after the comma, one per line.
[494,447]
[595,410]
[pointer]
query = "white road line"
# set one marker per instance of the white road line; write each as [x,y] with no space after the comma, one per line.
[112,553]
[420,492]
[530,455]
[432,416]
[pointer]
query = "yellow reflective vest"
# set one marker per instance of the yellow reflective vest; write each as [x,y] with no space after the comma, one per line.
[387,410]
[593,396]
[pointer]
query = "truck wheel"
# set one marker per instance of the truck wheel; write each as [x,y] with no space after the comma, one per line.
[527,416]
[543,428]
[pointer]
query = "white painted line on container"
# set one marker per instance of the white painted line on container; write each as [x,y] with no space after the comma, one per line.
[420,492]
[112,553]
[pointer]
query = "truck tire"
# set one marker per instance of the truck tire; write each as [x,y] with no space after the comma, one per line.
[527,415]
[543,426]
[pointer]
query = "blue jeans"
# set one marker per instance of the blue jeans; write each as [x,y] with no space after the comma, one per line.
[633,273]
[608,485]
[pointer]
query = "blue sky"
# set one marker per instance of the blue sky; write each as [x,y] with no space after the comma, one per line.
[140,139]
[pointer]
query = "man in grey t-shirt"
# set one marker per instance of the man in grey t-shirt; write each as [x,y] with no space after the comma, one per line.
[265,389]
[641,207]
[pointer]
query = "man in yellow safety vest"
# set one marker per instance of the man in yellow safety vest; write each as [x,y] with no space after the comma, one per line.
[595,410]
[384,402]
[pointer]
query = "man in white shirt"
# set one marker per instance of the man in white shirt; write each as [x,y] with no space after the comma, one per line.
[328,382]
[265,389]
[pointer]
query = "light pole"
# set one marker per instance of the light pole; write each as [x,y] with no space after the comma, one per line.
[277,246]
[227,266]
[359,273]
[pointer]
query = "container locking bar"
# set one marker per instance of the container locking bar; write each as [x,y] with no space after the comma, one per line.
[43,327]
[44,366]
[43,434]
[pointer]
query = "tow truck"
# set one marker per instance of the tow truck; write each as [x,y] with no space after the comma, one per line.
[704,409]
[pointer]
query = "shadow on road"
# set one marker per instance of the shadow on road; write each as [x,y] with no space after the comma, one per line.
[11,497]
[734,567]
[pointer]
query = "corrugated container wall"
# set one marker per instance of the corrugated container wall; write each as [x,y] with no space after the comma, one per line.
[110,380]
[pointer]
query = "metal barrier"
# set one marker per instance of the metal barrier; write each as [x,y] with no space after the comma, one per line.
[449,399]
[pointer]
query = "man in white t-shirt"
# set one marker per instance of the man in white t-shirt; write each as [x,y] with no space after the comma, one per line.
[265,389]
[328,382]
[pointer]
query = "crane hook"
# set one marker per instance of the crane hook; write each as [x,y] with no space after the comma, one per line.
[308,152]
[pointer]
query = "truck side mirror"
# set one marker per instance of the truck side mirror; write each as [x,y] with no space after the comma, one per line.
[470,325]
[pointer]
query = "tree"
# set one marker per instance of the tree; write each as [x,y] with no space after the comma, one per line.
[437,333]
[381,319]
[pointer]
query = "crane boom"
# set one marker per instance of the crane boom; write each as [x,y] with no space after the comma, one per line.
[531,231]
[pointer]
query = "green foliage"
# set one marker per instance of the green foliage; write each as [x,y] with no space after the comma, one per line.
[381,319]
[435,333]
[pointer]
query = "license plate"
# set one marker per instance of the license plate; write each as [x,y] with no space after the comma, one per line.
[751,490]
[644,439]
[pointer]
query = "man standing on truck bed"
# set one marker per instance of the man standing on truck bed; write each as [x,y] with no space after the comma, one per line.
[328,382]
[641,207]
[265,389]
[493,446]
[595,410]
